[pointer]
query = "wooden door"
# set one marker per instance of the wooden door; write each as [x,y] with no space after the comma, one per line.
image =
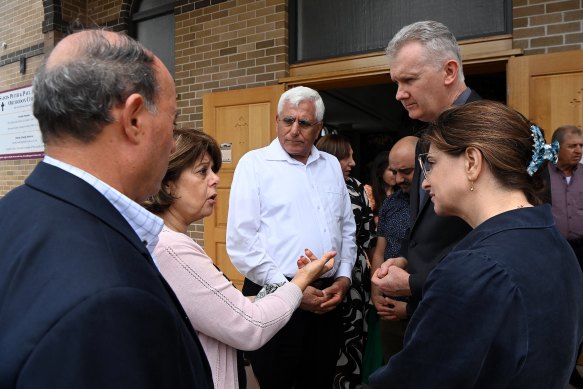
[240,120]
[548,88]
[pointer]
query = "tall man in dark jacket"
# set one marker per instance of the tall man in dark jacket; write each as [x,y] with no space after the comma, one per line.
[82,304]
[426,64]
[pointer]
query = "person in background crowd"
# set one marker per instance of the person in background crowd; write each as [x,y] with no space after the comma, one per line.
[354,308]
[224,319]
[504,308]
[426,64]
[391,231]
[567,198]
[286,197]
[83,304]
[382,183]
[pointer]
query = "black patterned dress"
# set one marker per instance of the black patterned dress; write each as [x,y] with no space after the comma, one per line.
[355,306]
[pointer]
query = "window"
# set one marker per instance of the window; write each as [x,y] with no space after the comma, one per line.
[154,26]
[335,28]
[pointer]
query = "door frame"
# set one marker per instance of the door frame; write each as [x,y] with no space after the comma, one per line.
[482,55]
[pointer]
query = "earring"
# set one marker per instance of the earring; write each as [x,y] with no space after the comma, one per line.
[472,186]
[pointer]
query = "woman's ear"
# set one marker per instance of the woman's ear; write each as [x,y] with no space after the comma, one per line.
[169,188]
[474,161]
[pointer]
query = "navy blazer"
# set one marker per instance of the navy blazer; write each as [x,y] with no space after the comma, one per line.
[430,237]
[504,309]
[81,303]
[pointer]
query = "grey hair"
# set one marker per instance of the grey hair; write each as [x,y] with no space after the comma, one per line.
[562,131]
[74,97]
[439,42]
[302,93]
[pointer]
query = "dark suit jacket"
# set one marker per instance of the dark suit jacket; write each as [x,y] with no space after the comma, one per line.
[81,303]
[431,237]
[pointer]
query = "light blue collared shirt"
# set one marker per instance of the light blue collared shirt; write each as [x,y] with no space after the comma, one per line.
[146,225]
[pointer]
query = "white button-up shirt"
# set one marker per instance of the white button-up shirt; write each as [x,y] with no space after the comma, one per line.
[278,207]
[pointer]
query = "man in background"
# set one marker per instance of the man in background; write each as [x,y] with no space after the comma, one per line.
[567,198]
[83,304]
[287,197]
[392,228]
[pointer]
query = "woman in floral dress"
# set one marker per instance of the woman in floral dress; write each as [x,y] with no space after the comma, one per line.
[355,306]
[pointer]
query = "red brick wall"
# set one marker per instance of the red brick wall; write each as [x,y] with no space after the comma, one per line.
[231,45]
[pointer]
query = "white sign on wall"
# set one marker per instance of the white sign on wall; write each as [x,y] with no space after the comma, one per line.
[20,136]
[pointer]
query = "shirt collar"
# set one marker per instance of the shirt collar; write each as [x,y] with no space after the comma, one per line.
[463,97]
[275,151]
[554,165]
[146,225]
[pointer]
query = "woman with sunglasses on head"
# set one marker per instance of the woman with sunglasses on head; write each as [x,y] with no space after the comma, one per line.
[224,319]
[504,309]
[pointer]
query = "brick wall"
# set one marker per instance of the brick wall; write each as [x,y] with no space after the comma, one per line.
[20,29]
[110,13]
[19,25]
[546,26]
[231,45]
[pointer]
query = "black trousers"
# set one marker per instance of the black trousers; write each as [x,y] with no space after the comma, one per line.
[303,354]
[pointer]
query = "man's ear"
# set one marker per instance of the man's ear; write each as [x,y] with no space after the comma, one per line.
[451,69]
[132,117]
[474,161]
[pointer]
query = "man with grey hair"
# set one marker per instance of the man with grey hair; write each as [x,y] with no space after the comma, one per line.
[425,63]
[287,197]
[83,304]
[567,198]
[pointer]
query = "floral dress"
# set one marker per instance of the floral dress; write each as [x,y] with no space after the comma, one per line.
[355,306]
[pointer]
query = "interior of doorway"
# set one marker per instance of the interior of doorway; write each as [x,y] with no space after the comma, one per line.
[373,120]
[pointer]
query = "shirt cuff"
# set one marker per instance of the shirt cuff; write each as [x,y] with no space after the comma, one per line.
[344,270]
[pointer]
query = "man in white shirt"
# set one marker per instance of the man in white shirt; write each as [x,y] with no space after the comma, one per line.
[287,197]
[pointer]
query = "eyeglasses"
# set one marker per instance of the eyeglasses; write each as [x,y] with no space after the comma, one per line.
[425,165]
[304,124]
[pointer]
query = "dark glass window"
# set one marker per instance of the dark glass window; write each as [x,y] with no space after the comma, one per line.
[333,28]
[154,26]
